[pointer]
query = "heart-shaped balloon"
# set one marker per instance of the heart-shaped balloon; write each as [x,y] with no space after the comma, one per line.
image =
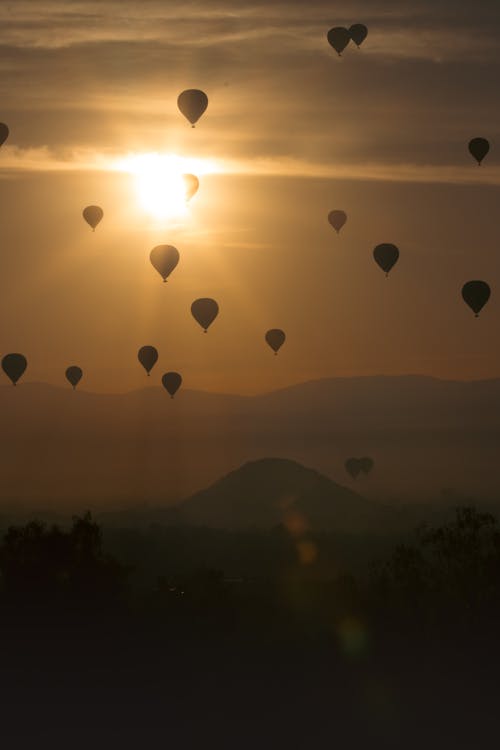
[354,466]
[339,37]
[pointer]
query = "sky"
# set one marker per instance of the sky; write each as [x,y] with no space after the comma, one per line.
[291,132]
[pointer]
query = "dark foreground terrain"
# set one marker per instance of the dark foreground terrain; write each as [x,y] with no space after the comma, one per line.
[405,655]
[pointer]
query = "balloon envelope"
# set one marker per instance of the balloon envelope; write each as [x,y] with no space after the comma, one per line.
[478,148]
[93,215]
[358,33]
[339,38]
[192,103]
[386,255]
[337,219]
[191,185]
[204,311]
[275,337]
[4,132]
[14,366]
[172,381]
[365,464]
[164,258]
[74,375]
[476,294]
[353,467]
[147,356]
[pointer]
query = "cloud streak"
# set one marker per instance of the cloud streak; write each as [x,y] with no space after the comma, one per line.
[83,78]
[435,31]
[16,162]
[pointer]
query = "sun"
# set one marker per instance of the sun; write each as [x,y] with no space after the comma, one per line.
[164,183]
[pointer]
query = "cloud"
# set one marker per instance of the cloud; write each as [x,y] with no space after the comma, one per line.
[104,76]
[439,30]
[16,162]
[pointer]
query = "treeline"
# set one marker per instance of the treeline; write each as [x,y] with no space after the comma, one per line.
[447,571]
[46,563]
[450,571]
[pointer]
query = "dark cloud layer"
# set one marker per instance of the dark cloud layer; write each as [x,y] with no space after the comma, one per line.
[425,80]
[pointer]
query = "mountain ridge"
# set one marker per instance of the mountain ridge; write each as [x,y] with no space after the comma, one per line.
[272,491]
[334,379]
[423,433]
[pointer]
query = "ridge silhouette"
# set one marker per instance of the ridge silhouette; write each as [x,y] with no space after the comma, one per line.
[271,491]
[114,449]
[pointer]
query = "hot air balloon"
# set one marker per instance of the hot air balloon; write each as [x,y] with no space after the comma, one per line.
[14,366]
[358,33]
[172,381]
[365,464]
[4,133]
[337,219]
[339,38]
[478,148]
[204,311]
[275,338]
[191,185]
[164,258]
[147,356]
[476,294]
[74,375]
[353,467]
[192,103]
[93,215]
[386,256]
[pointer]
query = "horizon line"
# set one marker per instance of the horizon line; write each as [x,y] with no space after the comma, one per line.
[375,376]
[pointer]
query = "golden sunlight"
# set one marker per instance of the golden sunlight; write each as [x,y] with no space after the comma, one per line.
[164,183]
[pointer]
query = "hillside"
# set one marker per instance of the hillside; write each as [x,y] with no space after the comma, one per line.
[274,491]
[121,450]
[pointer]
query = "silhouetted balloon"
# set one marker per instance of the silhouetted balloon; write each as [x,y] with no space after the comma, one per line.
[478,148]
[191,185]
[4,133]
[386,255]
[14,366]
[147,356]
[172,381]
[204,311]
[164,258]
[93,215]
[339,38]
[358,33]
[365,464]
[275,338]
[476,294]
[74,375]
[192,103]
[337,219]
[353,467]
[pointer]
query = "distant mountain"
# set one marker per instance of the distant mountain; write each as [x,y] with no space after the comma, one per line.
[275,491]
[69,450]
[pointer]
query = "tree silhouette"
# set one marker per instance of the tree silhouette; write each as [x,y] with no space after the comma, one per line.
[454,568]
[41,562]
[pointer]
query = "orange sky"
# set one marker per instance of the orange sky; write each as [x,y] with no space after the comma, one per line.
[292,132]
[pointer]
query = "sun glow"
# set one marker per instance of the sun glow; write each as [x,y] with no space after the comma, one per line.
[161,181]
